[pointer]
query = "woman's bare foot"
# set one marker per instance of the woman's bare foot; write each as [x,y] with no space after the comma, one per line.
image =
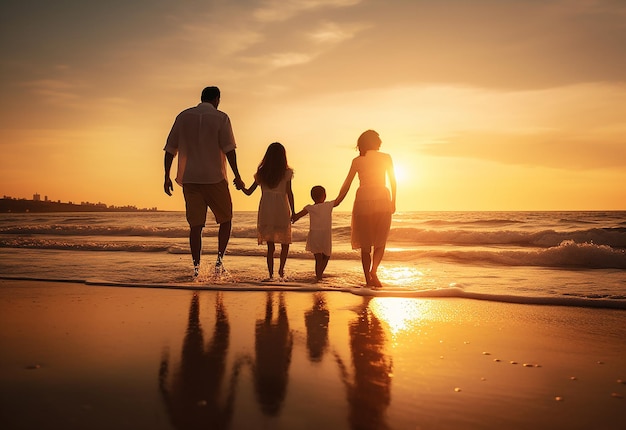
[374,281]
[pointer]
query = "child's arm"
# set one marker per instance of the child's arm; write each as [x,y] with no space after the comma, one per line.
[248,191]
[296,217]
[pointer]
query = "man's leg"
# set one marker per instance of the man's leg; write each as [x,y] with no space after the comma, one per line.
[195,243]
[223,237]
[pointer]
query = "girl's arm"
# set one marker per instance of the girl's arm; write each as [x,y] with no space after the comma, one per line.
[290,197]
[346,185]
[248,191]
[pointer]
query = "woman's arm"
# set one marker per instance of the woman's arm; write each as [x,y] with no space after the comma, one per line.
[392,183]
[346,185]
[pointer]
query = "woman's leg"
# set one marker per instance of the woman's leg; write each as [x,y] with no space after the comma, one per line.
[366,261]
[379,251]
[284,251]
[270,258]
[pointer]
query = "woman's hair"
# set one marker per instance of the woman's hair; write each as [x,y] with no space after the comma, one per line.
[368,140]
[273,166]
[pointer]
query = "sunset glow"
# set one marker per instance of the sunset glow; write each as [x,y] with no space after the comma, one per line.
[483,105]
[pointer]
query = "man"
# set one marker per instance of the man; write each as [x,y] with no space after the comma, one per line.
[203,139]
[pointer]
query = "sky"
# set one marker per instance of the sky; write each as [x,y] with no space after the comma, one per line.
[482,104]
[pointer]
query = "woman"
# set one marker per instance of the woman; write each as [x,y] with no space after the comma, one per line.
[373,205]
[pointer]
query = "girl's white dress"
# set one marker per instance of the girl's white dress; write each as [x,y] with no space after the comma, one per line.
[274,217]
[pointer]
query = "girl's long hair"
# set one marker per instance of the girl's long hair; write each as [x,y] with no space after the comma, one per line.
[273,166]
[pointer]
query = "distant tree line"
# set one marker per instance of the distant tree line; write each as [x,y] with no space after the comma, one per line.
[8,204]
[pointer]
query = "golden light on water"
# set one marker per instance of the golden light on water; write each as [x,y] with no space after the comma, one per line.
[402,276]
[398,313]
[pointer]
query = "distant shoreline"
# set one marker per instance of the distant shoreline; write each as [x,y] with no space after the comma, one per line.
[9,205]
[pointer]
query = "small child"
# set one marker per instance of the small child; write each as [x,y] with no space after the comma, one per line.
[319,241]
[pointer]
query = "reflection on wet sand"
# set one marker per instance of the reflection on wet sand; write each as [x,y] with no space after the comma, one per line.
[369,390]
[316,320]
[273,346]
[201,391]
[192,396]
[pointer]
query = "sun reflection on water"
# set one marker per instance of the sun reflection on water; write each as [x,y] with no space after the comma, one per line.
[400,314]
[402,276]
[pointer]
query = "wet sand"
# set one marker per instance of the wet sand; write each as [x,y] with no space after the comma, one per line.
[76,356]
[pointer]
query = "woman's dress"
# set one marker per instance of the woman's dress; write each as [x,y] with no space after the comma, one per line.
[372,210]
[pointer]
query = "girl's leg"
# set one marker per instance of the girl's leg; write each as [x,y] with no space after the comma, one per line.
[284,251]
[366,262]
[270,258]
[377,258]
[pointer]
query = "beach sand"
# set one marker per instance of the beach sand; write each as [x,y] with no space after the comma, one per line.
[76,356]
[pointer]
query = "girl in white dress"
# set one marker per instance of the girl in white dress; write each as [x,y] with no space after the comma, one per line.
[373,205]
[319,241]
[276,205]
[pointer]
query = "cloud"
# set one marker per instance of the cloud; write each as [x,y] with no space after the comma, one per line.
[281,10]
[53,91]
[553,150]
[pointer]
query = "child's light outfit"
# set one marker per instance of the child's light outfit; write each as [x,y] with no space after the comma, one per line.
[320,239]
[274,218]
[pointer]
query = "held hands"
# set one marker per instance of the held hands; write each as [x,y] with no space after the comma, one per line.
[238,183]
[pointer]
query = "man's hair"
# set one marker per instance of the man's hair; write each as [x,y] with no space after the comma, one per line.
[209,93]
[317,192]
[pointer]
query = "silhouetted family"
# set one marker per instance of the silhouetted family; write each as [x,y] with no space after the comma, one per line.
[203,139]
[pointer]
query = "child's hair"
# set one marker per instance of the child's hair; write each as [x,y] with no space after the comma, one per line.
[273,165]
[368,140]
[318,193]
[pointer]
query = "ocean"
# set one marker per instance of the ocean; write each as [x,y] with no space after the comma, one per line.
[555,258]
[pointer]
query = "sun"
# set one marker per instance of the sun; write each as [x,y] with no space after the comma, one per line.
[402,174]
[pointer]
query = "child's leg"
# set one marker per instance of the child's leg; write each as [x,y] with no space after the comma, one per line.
[321,261]
[319,265]
[270,258]
[284,250]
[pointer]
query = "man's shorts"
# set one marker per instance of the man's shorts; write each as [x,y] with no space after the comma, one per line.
[199,197]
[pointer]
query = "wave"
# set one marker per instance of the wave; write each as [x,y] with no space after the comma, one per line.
[90,230]
[613,237]
[605,302]
[568,254]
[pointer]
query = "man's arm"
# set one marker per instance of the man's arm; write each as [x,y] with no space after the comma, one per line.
[168,187]
[231,156]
